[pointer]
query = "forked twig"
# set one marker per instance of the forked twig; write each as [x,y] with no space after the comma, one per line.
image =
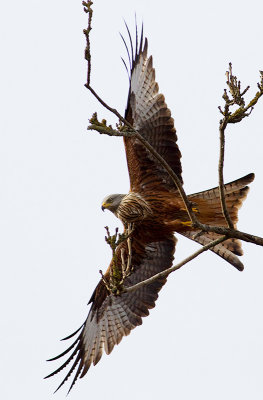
[114,283]
[234,98]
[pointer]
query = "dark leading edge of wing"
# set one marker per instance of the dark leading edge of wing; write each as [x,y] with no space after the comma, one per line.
[148,113]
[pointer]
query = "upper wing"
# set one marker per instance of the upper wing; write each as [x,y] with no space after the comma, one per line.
[111,317]
[148,113]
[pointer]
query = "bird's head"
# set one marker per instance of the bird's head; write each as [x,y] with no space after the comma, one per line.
[112,202]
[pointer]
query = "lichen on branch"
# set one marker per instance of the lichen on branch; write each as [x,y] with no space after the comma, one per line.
[117,274]
[102,127]
[235,97]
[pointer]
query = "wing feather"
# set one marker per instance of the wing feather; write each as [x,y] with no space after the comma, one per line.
[148,113]
[112,317]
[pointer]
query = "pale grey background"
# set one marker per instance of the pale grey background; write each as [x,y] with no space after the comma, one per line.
[204,340]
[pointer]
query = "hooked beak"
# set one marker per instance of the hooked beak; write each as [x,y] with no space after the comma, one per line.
[104,205]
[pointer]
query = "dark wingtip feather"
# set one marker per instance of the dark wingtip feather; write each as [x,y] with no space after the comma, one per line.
[145,48]
[140,47]
[68,374]
[240,267]
[64,352]
[76,374]
[126,47]
[136,30]
[130,38]
[141,40]
[63,365]
[73,334]
[125,65]
[250,177]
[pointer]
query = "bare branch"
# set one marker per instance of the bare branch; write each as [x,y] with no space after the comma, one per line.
[112,110]
[165,273]
[236,98]
[126,266]
[220,174]
[232,233]
[89,11]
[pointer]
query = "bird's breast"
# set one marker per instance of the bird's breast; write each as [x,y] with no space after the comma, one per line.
[132,208]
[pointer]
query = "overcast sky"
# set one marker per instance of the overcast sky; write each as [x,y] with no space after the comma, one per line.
[204,339]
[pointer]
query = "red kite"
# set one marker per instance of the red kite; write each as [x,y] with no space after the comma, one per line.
[155,209]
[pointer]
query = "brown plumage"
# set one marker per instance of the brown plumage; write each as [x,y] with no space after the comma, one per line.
[156,211]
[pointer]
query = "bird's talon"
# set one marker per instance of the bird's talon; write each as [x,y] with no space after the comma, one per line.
[186,223]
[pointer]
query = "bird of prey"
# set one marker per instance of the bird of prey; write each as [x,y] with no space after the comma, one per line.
[154,208]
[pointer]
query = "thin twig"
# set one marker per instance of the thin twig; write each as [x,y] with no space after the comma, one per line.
[166,272]
[232,233]
[105,105]
[225,212]
[129,267]
[88,9]
[173,176]
[123,264]
[126,266]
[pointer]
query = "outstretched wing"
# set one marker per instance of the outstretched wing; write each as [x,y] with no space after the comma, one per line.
[111,317]
[149,114]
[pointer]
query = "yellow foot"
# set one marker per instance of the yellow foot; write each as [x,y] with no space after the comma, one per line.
[186,223]
[194,209]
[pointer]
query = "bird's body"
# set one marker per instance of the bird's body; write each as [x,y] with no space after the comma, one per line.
[155,209]
[131,208]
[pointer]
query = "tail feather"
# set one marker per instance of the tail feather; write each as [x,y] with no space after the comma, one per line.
[210,212]
[229,188]
[210,209]
[227,250]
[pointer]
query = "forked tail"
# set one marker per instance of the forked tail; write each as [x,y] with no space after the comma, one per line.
[210,212]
